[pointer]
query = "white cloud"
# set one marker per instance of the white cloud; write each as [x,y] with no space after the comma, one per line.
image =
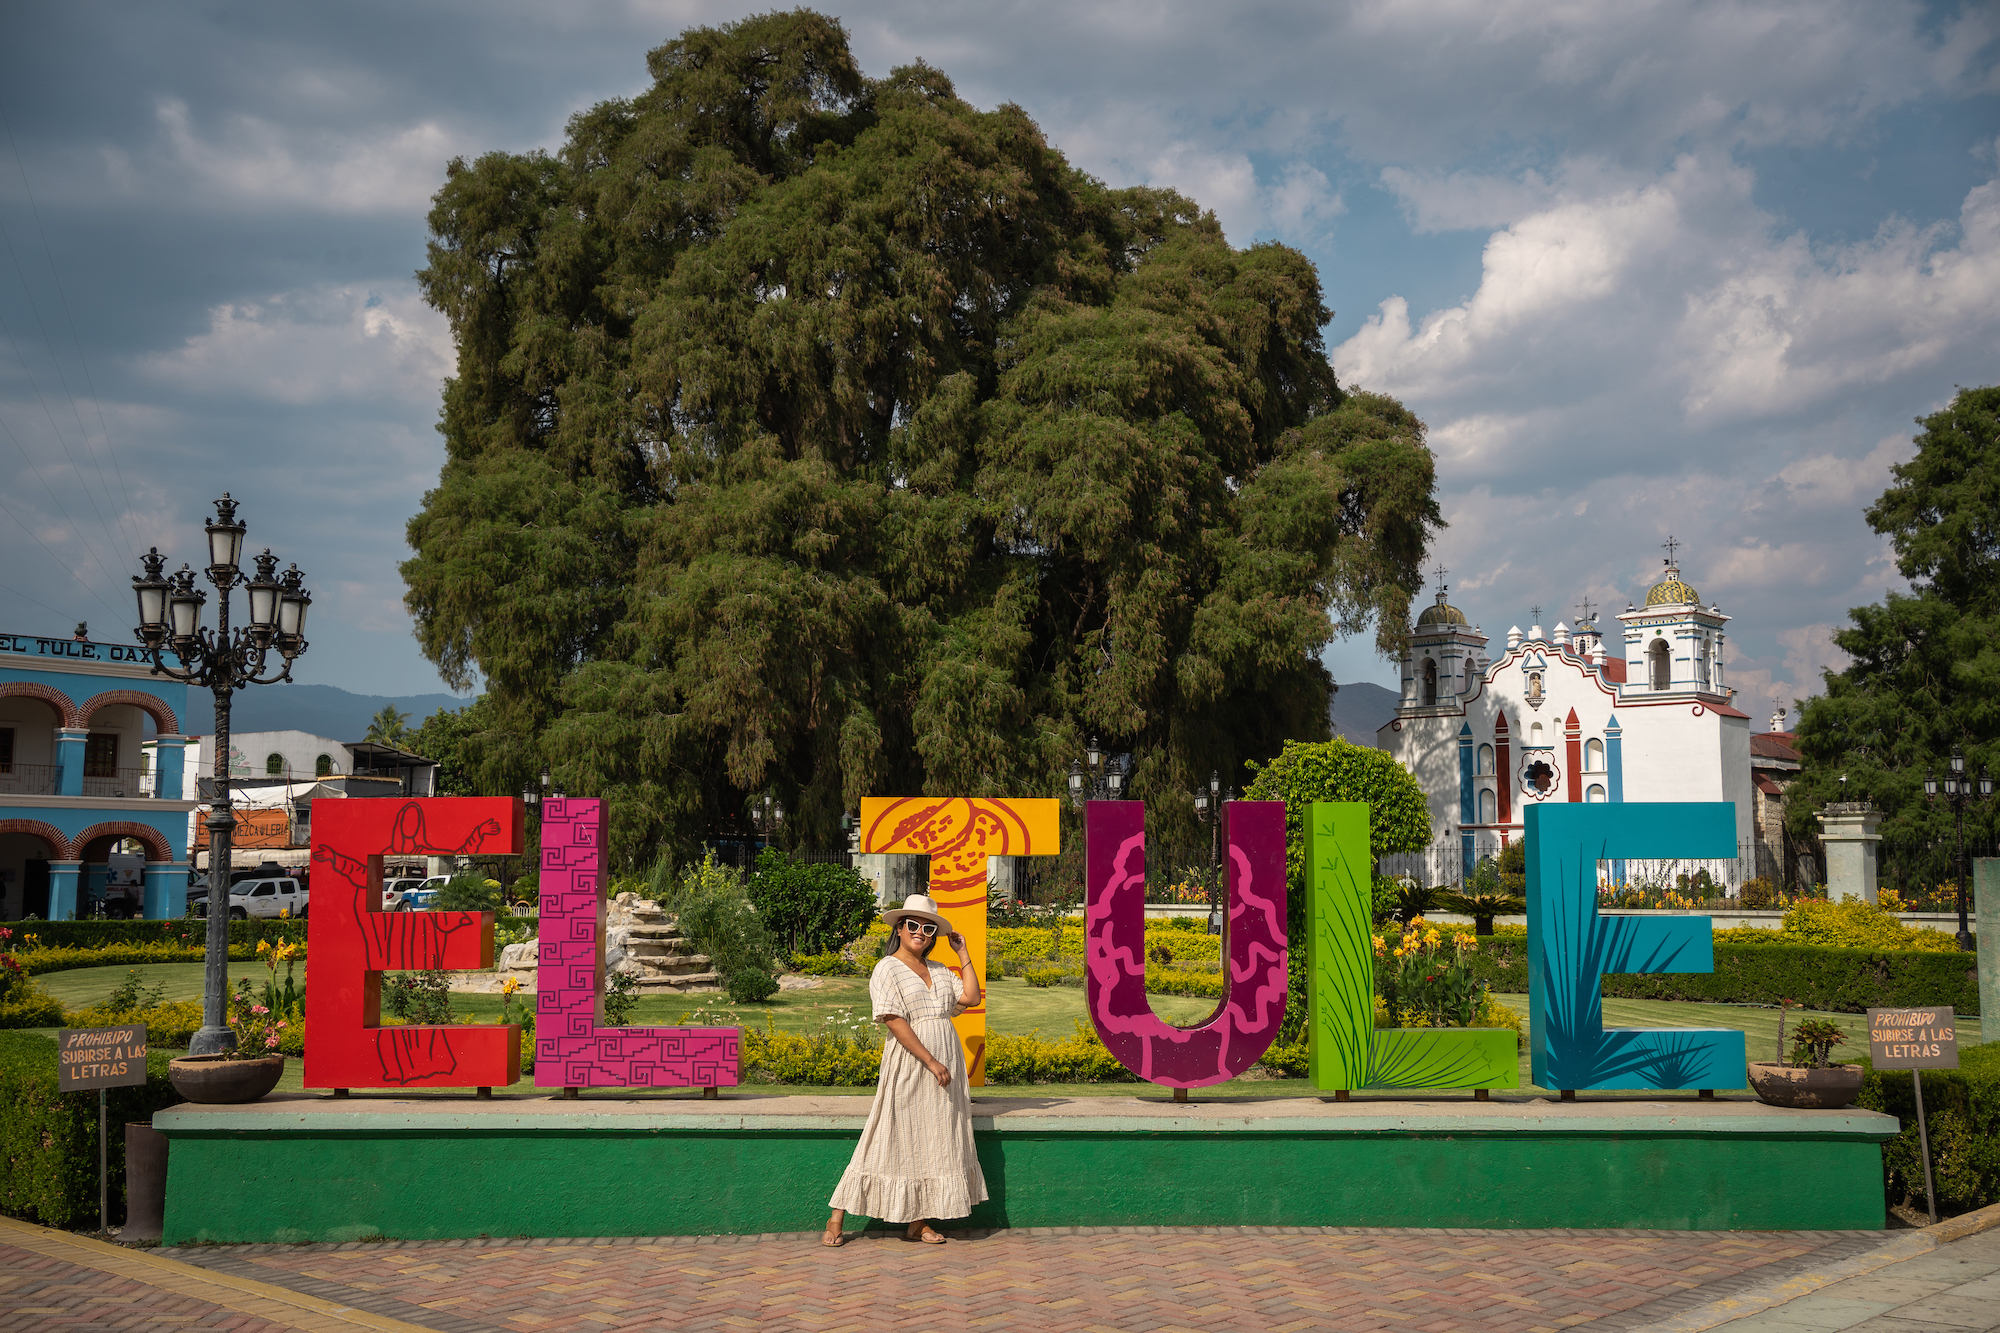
[329,344]
[262,163]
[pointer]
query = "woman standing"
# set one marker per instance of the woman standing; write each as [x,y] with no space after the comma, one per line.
[916,1159]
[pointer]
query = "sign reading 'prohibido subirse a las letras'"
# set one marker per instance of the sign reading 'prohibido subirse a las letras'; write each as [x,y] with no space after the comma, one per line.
[1913,1038]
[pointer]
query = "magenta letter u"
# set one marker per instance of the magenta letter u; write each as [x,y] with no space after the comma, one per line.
[1246,1022]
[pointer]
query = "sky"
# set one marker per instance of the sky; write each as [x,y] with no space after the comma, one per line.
[1645,268]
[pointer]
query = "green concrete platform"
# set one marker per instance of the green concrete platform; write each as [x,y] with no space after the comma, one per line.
[316,1168]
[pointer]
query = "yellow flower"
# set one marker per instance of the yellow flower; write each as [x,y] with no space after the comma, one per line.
[1416,923]
[1431,937]
[512,984]
[1378,944]
[263,946]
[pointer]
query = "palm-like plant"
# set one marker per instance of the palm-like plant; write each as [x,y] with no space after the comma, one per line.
[388,727]
[1486,896]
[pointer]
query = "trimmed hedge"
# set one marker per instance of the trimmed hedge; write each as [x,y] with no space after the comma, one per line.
[41,961]
[1838,980]
[179,930]
[1962,1107]
[48,1140]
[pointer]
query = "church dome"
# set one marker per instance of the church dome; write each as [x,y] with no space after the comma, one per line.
[1670,591]
[1442,614]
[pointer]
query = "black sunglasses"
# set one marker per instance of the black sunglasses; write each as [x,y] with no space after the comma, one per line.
[924,926]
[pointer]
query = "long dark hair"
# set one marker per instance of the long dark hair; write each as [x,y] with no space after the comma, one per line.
[893,941]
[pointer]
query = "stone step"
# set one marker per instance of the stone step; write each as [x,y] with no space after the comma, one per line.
[693,981]
[696,962]
[658,948]
[659,931]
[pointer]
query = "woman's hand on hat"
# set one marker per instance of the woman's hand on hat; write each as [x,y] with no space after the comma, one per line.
[957,943]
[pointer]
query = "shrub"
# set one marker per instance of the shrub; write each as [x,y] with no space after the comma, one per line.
[423,998]
[1180,981]
[1855,924]
[182,931]
[469,893]
[1081,1058]
[834,963]
[715,914]
[748,985]
[48,1140]
[168,1023]
[1963,1115]
[621,996]
[843,1052]
[1044,976]
[1757,894]
[809,907]
[30,1007]
[1186,923]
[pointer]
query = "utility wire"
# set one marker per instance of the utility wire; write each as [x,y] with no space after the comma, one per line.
[63,380]
[60,562]
[69,318]
[4,587]
[59,509]
[88,546]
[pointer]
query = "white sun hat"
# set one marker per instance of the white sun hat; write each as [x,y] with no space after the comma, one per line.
[920,906]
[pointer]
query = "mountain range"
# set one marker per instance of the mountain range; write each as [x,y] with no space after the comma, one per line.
[1361,709]
[322,710]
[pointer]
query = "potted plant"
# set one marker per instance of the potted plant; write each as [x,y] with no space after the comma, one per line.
[1808,1081]
[244,1074]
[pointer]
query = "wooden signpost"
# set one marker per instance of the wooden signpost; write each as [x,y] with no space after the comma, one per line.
[101,1058]
[1916,1040]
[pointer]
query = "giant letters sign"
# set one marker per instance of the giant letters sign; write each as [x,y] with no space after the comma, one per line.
[1348,1050]
[1571,947]
[352,942]
[1246,1021]
[958,834]
[573,1046]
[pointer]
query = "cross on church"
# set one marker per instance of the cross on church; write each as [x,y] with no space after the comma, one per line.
[1537,613]
[1583,606]
[1441,572]
[1672,543]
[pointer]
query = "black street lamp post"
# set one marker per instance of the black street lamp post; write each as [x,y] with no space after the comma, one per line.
[1208,809]
[223,663]
[1096,777]
[1958,789]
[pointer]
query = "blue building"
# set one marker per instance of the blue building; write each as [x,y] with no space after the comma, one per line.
[90,760]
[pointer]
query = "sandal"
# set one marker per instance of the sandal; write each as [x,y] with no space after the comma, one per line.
[833,1240]
[926,1236]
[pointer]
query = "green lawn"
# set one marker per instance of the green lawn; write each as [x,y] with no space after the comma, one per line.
[1012,1006]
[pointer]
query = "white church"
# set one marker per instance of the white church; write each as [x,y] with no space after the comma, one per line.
[1569,717]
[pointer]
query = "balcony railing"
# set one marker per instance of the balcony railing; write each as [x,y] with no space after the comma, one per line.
[31,780]
[118,782]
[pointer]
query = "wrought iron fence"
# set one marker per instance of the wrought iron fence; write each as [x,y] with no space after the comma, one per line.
[119,782]
[1176,875]
[31,780]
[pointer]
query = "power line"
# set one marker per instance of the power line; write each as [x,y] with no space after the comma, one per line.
[90,388]
[82,484]
[60,562]
[60,508]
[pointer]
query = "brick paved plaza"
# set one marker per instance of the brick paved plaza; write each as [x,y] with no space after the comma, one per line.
[1137,1280]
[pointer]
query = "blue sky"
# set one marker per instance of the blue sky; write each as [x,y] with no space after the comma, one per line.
[1644,268]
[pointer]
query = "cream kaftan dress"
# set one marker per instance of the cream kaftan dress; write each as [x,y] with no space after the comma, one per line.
[916,1158]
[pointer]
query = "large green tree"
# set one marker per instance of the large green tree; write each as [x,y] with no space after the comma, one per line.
[1926,670]
[824,436]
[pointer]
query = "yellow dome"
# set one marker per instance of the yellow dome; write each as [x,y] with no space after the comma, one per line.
[1670,591]
[1442,614]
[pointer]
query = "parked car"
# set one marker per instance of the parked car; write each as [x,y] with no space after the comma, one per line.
[263,898]
[400,895]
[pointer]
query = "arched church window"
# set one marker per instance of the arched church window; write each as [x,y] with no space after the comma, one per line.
[1485,761]
[323,766]
[1661,663]
[1593,756]
[1430,680]
[1534,734]
[1594,794]
[274,764]
[1489,807]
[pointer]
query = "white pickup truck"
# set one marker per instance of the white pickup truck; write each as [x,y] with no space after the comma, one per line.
[266,898]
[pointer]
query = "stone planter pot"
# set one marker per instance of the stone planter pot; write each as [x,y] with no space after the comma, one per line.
[1805,1089]
[220,1079]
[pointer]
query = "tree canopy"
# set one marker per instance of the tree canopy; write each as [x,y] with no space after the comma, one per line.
[825,436]
[1926,670]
